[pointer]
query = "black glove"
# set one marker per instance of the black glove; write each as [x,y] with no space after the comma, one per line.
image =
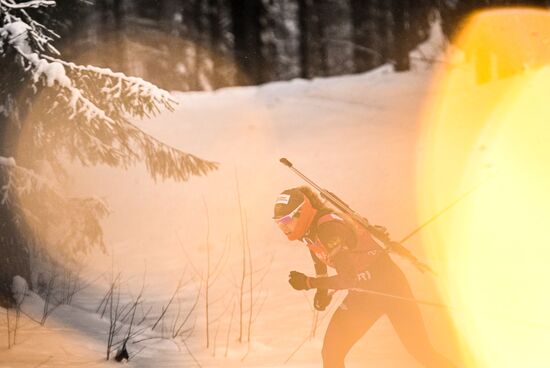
[322,299]
[298,280]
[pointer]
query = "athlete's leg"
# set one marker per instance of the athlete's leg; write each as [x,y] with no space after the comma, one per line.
[407,320]
[350,321]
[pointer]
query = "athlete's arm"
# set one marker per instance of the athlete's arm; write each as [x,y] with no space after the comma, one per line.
[320,267]
[346,277]
[339,238]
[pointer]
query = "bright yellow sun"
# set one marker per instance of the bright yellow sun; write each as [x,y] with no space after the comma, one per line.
[488,128]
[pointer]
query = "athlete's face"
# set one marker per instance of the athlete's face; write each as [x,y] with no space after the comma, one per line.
[289,226]
[289,222]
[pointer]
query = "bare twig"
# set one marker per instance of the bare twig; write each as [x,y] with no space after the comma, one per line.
[144,314]
[9,331]
[215,339]
[17,316]
[259,308]
[178,330]
[195,270]
[190,330]
[165,308]
[132,356]
[222,261]
[250,272]
[49,297]
[229,330]
[207,284]
[191,354]
[134,309]
[224,311]
[243,276]
[107,296]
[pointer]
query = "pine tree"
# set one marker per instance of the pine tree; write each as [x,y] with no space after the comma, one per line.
[52,111]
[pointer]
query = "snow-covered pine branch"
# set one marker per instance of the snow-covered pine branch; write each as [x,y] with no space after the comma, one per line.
[43,205]
[88,133]
[73,112]
[26,4]
[129,95]
[21,30]
[91,108]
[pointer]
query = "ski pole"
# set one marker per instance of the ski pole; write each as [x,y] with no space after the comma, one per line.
[438,214]
[378,232]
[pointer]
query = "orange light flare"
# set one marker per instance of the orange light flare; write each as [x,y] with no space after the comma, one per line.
[134,199]
[488,127]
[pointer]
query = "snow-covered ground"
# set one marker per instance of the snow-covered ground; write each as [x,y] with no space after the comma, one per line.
[355,135]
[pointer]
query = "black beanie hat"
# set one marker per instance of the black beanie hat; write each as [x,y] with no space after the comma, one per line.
[287,201]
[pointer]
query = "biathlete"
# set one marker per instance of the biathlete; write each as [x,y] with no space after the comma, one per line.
[363,268]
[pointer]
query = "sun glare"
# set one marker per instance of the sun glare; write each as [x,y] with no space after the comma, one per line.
[487,131]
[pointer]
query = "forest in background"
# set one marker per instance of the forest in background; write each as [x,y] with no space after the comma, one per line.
[209,44]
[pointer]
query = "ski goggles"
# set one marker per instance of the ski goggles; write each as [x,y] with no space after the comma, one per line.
[286,219]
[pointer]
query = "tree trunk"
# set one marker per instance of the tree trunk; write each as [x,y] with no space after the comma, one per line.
[247,18]
[214,43]
[303,24]
[384,21]
[337,37]
[400,11]
[365,37]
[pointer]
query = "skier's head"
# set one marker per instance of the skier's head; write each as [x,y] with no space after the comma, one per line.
[293,212]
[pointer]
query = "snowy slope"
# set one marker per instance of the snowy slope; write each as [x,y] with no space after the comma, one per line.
[354,135]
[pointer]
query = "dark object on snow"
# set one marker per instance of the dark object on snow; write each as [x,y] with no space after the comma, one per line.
[122,354]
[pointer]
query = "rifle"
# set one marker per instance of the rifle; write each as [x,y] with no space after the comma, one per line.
[379,232]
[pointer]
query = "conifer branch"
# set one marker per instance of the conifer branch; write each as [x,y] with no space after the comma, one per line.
[27,4]
[83,113]
[51,207]
[92,136]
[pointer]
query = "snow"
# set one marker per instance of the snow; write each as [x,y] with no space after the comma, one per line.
[16,34]
[29,4]
[7,161]
[19,289]
[354,135]
[53,72]
[137,83]
[436,43]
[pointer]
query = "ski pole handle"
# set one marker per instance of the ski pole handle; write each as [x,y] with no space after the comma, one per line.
[285,162]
